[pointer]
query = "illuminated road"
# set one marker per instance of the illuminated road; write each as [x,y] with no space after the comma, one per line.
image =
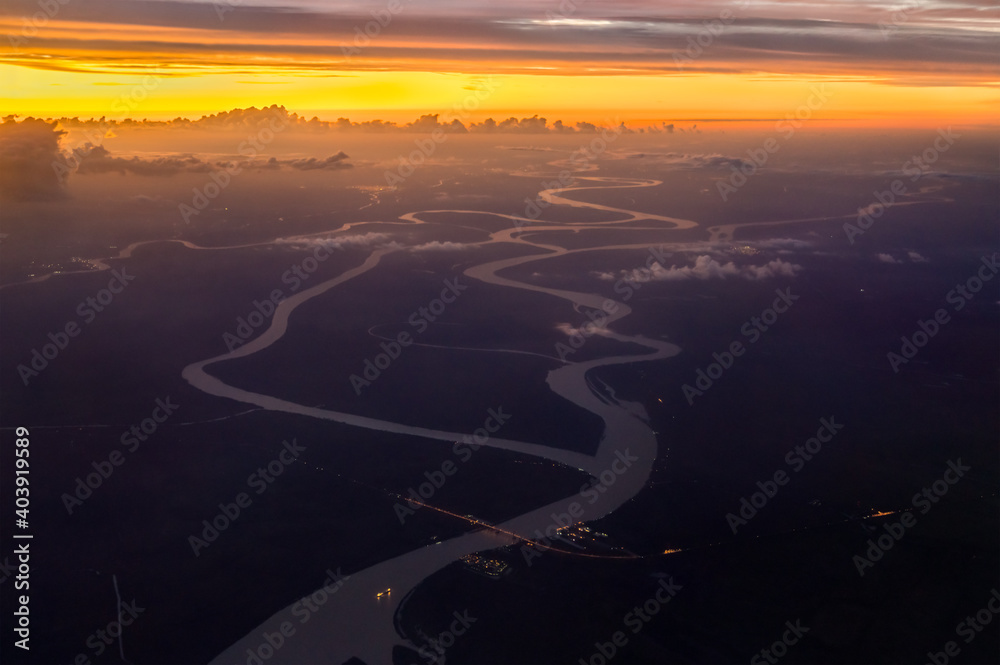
[515,537]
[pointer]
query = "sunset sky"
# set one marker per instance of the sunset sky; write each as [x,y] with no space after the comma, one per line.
[923,62]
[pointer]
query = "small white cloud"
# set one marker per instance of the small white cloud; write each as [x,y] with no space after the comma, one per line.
[339,242]
[438,246]
[887,258]
[586,330]
[445,196]
[915,257]
[705,267]
[776,268]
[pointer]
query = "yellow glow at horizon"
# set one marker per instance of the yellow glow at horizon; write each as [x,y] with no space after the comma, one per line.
[401,96]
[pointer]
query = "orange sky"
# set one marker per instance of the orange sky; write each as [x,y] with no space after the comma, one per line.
[575,60]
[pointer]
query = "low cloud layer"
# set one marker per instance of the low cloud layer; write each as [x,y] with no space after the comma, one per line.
[336,242]
[28,151]
[911,257]
[684,159]
[255,119]
[705,267]
[333,162]
[438,246]
[97,159]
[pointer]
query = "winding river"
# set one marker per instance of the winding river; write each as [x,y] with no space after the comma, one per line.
[353,622]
